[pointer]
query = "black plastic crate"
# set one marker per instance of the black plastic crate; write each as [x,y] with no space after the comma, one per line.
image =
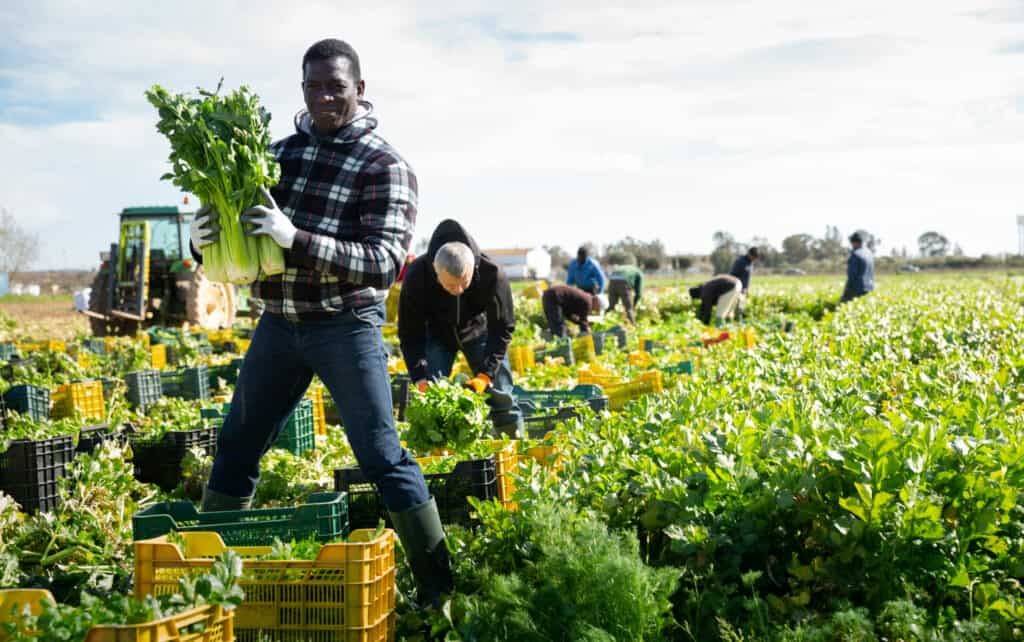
[33,401]
[159,461]
[7,371]
[95,345]
[539,425]
[401,386]
[90,438]
[473,478]
[30,470]
[144,387]
[187,383]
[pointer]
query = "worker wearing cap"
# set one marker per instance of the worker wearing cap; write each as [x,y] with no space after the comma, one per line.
[585,273]
[563,302]
[860,270]
[625,283]
[456,299]
[720,293]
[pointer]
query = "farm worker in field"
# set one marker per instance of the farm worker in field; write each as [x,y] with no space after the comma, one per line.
[585,273]
[457,299]
[721,293]
[563,302]
[860,270]
[626,284]
[742,269]
[344,212]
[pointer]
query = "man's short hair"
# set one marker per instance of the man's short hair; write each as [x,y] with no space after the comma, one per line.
[333,48]
[454,258]
[753,253]
[856,238]
[582,252]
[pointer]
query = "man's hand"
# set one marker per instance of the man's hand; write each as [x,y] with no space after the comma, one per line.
[269,219]
[421,385]
[479,383]
[205,229]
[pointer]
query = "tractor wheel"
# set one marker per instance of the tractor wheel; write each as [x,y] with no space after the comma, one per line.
[209,305]
[99,304]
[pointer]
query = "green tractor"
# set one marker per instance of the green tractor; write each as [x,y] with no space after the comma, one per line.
[150,278]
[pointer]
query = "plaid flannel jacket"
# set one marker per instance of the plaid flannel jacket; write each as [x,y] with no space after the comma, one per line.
[353,200]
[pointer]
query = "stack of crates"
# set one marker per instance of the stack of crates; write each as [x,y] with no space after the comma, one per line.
[641,358]
[33,401]
[647,383]
[144,387]
[316,396]
[158,461]
[521,358]
[85,397]
[346,593]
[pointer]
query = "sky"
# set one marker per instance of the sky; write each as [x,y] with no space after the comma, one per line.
[544,123]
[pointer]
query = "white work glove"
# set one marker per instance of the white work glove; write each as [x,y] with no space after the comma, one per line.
[205,229]
[269,219]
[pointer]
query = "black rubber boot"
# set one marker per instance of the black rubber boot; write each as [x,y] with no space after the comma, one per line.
[422,536]
[214,502]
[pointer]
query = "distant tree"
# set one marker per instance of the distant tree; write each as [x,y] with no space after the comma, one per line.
[18,247]
[933,244]
[618,257]
[648,254]
[726,249]
[957,250]
[797,247]
[559,257]
[421,246]
[830,246]
[769,256]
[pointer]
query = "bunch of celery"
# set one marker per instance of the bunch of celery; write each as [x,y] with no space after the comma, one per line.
[220,152]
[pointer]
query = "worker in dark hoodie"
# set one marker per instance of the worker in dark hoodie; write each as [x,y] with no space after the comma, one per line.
[456,299]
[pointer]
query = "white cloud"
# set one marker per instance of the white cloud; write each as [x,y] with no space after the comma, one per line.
[652,119]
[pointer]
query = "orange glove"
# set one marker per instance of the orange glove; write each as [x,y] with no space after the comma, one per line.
[421,385]
[479,383]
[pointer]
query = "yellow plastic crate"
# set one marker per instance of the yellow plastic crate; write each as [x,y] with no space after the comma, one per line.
[218,337]
[243,345]
[346,593]
[158,356]
[85,397]
[216,623]
[521,358]
[583,349]
[391,303]
[316,395]
[396,365]
[647,383]
[641,358]
[597,374]
[41,346]
[110,343]
[143,338]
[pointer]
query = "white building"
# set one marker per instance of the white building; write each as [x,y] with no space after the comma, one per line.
[523,263]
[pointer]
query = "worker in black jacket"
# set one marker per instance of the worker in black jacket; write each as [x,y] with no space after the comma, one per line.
[455,298]
[565,303]
[721,293]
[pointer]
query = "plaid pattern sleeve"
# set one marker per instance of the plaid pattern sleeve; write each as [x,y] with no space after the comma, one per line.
[387,214]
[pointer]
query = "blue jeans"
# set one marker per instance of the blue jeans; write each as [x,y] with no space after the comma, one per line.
[347,353]
[505,412]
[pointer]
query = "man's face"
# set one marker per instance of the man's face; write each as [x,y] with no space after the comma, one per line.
[454,285]
[331,93]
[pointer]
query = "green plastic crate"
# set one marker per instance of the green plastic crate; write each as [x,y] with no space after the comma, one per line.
[584,393]
[325,516]
[297,434]
[683,367]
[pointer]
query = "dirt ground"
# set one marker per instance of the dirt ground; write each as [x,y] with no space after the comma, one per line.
[47,318]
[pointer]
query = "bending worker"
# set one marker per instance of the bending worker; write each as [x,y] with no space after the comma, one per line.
[721,293]
[455,298]
[585,273]
[344,213]
[563,302]
[625,284]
